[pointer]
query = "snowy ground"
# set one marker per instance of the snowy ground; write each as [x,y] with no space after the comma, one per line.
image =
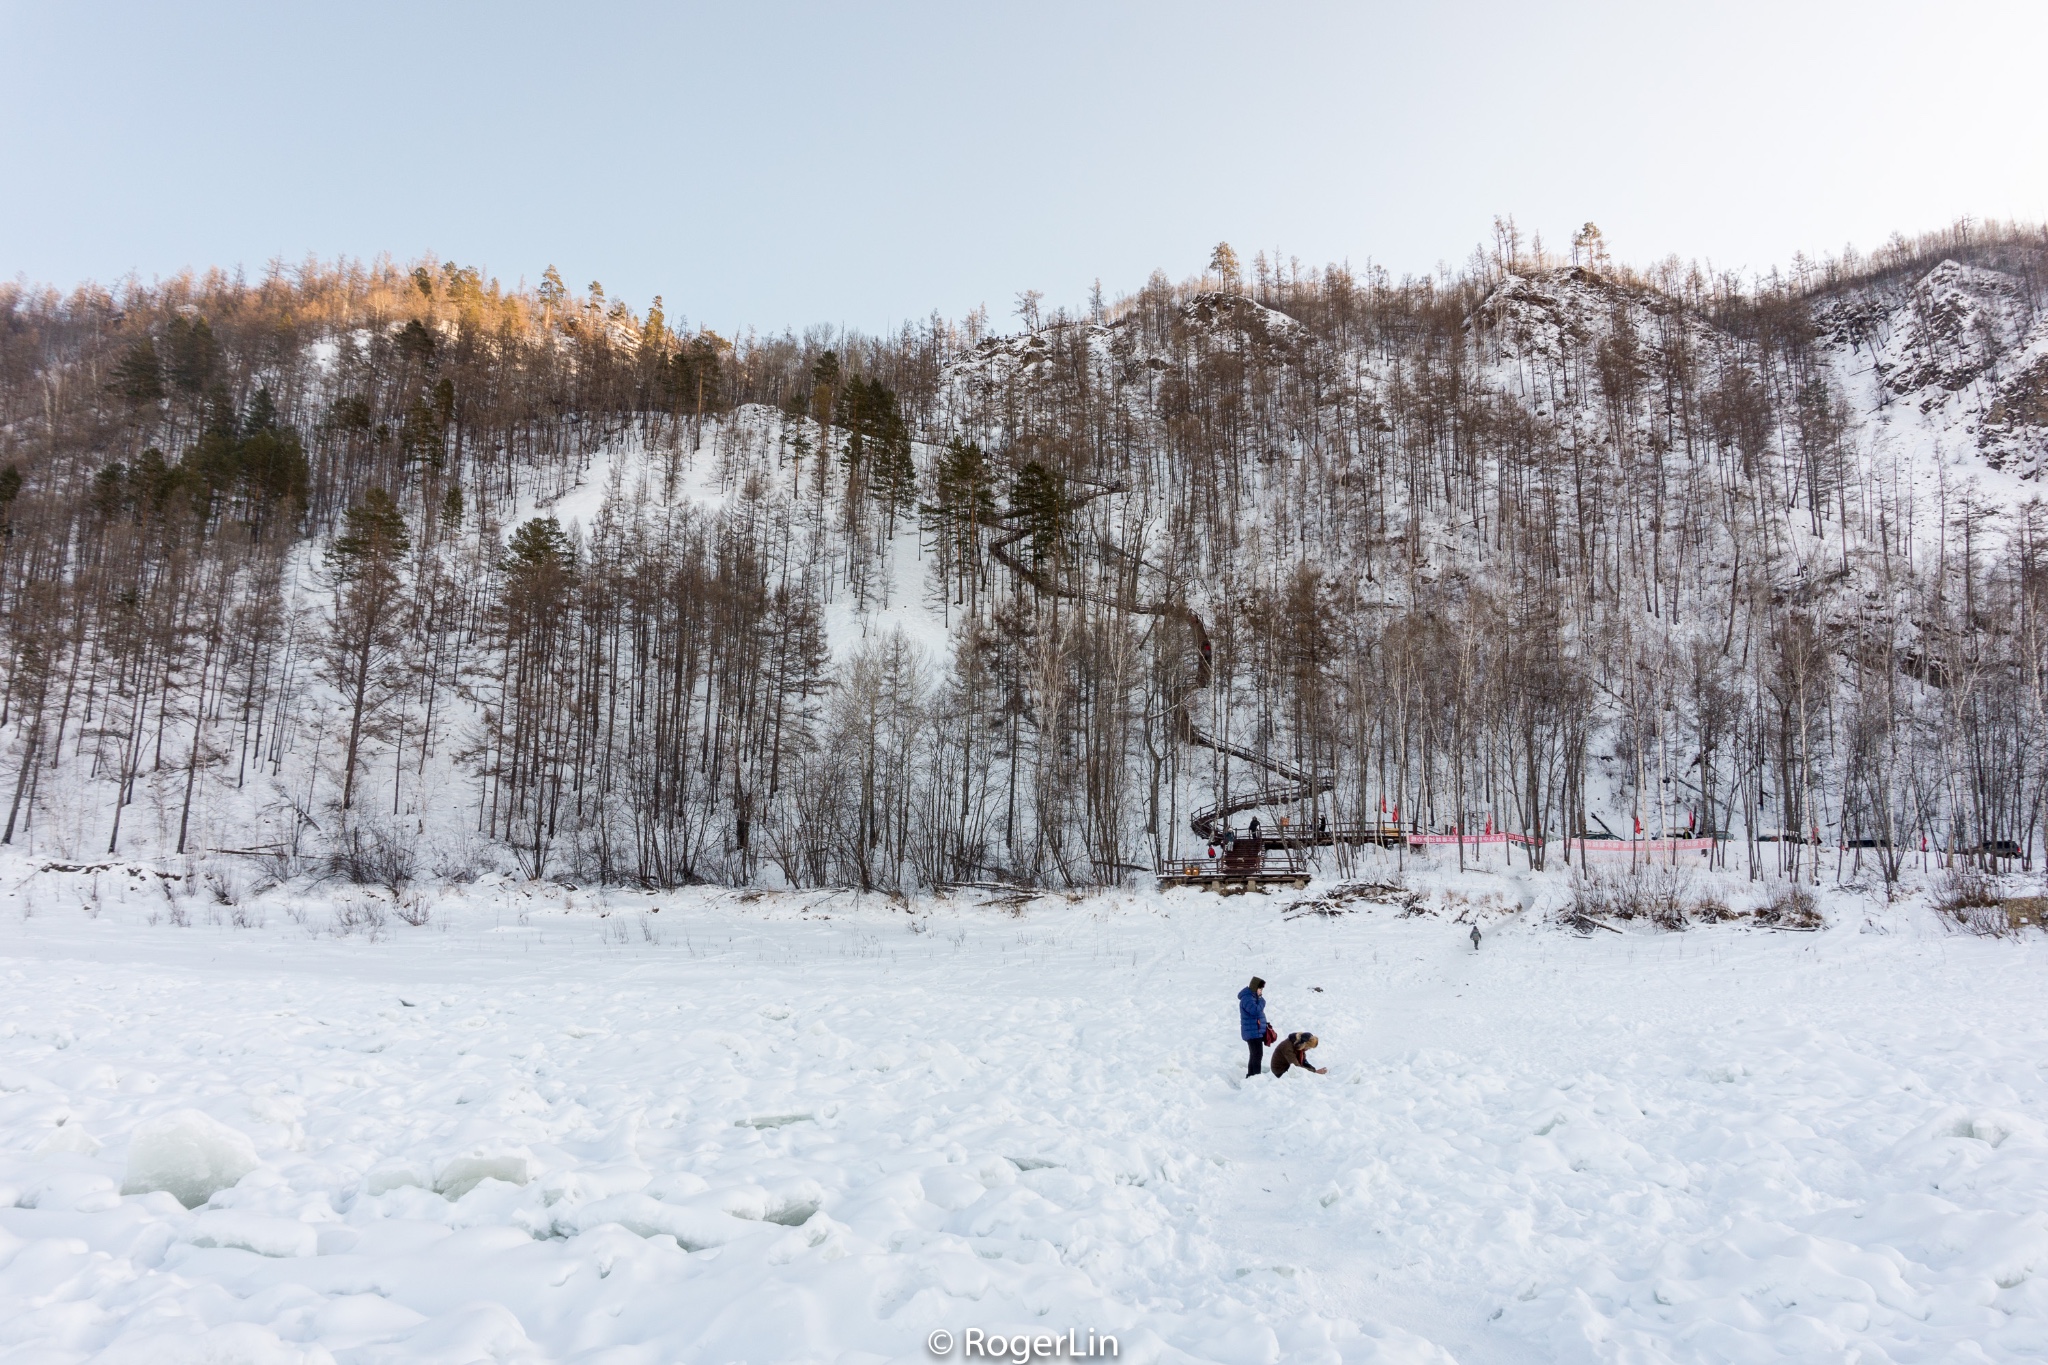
[806,1129]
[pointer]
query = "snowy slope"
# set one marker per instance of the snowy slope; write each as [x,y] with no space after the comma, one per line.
[749,446]
[1949,373]
[248,805]
[1943,377]
[574,1125]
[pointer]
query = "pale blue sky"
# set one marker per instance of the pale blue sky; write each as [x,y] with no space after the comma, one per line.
[781,165]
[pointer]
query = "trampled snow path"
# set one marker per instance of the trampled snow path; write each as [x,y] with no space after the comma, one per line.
[761,1135]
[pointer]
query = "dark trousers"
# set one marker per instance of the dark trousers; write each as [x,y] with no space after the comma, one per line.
[1256,1048]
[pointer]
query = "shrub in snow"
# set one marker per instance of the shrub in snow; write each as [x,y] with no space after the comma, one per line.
[1965,887]
[1661,894]
[375,856]
[1971,896]
[2022,911]
[1791,906]
[223,885]
[1713,910]
[188,1155]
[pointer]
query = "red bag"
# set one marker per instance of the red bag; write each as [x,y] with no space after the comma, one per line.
[1270,1037]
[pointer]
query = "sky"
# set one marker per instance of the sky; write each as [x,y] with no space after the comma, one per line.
[778,165]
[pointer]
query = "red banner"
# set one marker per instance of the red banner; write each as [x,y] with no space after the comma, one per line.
[1642,845]
[1639,846]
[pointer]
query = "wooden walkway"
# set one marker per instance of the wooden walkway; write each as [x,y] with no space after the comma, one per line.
[1384,833]
[1245,865]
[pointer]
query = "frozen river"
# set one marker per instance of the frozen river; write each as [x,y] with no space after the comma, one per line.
[573,1126]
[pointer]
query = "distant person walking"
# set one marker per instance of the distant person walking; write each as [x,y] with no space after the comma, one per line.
[1252,1025]
[1293,1052]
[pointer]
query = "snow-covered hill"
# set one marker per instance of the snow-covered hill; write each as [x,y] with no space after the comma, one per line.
[1536,547]
[572,1039]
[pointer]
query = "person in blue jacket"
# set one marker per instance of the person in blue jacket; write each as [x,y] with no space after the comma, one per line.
[1251,1023]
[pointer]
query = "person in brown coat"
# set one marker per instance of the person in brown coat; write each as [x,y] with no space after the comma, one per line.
[1293,1051]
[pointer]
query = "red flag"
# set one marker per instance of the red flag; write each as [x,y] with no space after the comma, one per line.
[1639,826]
[1383,805]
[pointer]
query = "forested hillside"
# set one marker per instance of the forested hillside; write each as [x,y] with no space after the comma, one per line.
[395,573]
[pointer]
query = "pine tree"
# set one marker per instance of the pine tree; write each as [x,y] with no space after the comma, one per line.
[422,435]
[824,395]
[1223,261]
[963,502]
[1589,248]
[1038,497]
[416,343]
[552,292]
[363,640]
[895,473]
[270,459]
[539,547]
[194,355]
[138,375]
[535,609]
[877,457]
[654,331]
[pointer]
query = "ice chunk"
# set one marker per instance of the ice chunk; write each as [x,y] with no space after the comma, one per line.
[465,1173]
[333,1239]
[791,1206]
[596,1182]
[694,1229]
[69,1138]
[386,1176]
[72,1191]
[188,1155]
[253,1232]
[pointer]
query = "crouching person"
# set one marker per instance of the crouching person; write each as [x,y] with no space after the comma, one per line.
[1293,1051]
